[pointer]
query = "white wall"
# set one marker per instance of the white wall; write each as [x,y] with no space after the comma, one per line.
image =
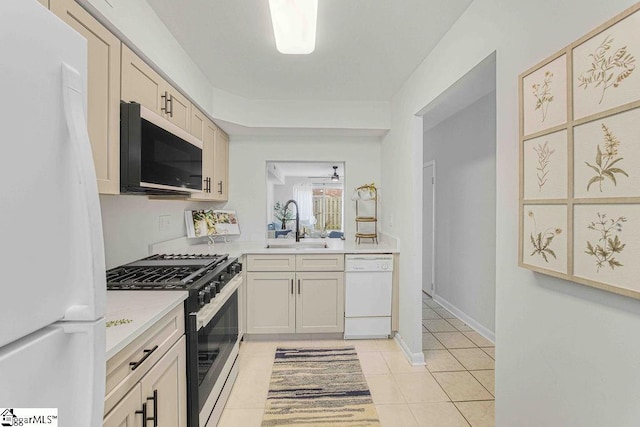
[567,355]
[131,223]
[464,149]
[247,168]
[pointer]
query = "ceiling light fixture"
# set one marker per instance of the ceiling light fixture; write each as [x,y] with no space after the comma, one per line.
[294,25]
[335,177]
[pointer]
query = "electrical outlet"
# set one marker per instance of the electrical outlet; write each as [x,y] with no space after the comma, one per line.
[165,223]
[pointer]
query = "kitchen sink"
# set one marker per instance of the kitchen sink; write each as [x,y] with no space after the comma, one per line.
[297,245]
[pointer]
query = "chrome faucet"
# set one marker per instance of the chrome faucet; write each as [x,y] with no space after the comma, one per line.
[286,206]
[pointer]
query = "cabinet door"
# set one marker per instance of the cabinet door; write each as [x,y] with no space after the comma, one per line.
[164,388]
[198,123]
[45,3]
[124,413]
[271,304]
[140,83]
[320,302]
[208,149]
[221,166]
[103,87]
[178,109]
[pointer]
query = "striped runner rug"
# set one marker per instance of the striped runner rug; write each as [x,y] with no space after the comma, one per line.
[319,387]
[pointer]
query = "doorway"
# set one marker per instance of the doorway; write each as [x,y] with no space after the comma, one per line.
[428,225]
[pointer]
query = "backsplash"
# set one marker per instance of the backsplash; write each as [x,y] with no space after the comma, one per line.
[131,223]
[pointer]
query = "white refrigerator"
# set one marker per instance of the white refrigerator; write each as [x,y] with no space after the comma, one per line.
[52,286]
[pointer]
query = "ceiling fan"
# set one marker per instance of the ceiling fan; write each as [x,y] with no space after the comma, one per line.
[333,177]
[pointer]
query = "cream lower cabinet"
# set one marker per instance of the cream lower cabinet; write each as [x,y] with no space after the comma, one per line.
[320,302]
[165,388]
[149,377]
[294,301]
[128,412]
[271,303]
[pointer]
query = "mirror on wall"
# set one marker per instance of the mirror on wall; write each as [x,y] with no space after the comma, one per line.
[317,188]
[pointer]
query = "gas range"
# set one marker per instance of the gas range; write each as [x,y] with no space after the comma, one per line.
[202,275]
[211,320]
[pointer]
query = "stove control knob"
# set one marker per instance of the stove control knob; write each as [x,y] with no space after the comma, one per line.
[201,299]
[207,294]
[216,287]
[222,278]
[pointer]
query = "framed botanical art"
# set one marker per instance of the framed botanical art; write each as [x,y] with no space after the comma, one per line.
[545,96]
[580,160]
[604,68]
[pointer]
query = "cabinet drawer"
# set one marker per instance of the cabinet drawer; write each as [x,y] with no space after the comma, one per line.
[271,262]
[328,262]
[121,376]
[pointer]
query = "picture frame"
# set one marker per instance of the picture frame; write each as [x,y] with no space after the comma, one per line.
[211,223]
[579,178]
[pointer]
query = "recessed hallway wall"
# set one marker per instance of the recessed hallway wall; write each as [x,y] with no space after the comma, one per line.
[463,147]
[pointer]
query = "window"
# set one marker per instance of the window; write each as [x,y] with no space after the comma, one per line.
[327,207]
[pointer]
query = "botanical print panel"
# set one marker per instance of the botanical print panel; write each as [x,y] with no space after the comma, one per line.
[544,237]
[545,97]
[607,244]
[604,68]
[545,167]
[607,157]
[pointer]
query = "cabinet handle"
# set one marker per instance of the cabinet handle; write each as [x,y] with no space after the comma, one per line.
[291,286]
[220,187]
[298,286]
[155,408]
[147,353]
[165,99]
[170,100]
[144,414]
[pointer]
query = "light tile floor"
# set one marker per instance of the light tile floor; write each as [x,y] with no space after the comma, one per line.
[455,389]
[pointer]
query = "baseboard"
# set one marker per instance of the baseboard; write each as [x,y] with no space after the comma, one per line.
[416,359]
[491,336]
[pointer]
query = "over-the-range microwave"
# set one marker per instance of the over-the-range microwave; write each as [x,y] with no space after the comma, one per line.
[156,156]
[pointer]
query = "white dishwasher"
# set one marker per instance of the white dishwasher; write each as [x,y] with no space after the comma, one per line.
[368,283]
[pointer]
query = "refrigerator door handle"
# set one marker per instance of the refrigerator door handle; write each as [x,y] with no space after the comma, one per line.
[73,102]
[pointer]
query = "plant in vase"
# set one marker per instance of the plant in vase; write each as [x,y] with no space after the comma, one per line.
[281,214]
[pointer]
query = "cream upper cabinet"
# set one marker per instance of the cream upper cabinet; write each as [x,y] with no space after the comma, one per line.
[320,302]
[45,3]
[164,388]
[207,130]
[178,110]
[103,84]
[198,123]
[271,303]
[140,83]
[128,412]
[221,166]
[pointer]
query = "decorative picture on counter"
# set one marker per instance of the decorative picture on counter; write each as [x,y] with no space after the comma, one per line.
[545,97]
[607,157]
[607,244]
[208,222]
[604,68]
[545,227]
[545,167]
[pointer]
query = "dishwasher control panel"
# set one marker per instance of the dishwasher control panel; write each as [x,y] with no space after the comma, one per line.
[368,263]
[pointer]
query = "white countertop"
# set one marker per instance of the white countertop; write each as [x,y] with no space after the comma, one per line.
[143,308]
[238,248]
